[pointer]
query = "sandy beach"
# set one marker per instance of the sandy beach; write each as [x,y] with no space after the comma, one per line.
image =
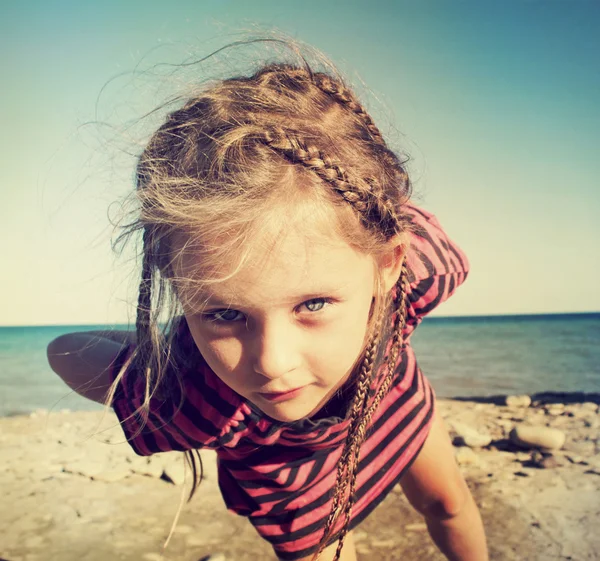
[73,490]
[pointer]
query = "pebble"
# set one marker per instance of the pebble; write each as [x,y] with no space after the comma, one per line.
[590,406]
[518,401]
[528,436]
[214,557]
[544,461]
[465,456]
[468,436]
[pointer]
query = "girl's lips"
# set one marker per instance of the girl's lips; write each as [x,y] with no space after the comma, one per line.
[276,397]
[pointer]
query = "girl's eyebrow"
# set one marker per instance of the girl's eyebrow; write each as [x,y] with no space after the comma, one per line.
[214,301]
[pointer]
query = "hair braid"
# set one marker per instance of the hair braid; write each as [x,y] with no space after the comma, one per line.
[356,437]
[357,407]
[346,98]
[374,208]
[277,75]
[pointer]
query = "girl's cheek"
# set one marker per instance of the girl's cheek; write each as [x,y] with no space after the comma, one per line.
[227,354]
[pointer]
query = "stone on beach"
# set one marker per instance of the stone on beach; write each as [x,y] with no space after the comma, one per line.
[528,436]
[518,401]
[465,456]
[468,436]
[54,515]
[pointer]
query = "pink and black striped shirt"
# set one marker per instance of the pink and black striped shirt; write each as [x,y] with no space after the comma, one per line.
[281,475]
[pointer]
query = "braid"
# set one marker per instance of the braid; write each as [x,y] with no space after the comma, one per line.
[358,405]
[278,75]
[360,422]
[374,208]
[346,98]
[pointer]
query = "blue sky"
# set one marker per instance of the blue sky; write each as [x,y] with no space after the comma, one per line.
[495,102]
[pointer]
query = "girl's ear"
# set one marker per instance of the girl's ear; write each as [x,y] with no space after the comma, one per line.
[390,263]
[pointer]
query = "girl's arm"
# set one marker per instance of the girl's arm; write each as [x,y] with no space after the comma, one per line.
[437,489]
[83,360]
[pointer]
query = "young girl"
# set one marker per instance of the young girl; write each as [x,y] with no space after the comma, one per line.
[278,232]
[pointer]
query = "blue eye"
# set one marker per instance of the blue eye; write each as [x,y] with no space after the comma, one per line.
[316,304]
[226,316]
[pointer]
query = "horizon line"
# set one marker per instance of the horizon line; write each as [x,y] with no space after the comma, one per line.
[429,317]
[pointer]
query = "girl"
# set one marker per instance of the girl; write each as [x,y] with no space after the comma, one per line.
[278,233]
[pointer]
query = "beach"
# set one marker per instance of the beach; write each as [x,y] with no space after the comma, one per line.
[72,489]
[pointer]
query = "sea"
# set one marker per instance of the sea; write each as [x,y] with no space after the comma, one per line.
[478,356]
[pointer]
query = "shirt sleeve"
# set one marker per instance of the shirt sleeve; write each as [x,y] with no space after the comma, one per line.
[437,266]
[192,409]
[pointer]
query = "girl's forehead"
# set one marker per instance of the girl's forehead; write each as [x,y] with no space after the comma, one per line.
[279,269]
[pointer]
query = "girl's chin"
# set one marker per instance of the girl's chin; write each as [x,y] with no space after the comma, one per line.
[290,411]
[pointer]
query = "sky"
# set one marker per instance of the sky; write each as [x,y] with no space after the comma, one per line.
[496,104]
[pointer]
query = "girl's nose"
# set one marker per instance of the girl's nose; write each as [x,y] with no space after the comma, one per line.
[275,352]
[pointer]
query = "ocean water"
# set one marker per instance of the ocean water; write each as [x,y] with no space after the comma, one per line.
[465,356]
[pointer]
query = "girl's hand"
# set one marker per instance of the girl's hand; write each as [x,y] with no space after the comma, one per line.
[436,488]
[83,360]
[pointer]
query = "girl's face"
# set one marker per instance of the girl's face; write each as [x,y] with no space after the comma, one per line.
[295,319]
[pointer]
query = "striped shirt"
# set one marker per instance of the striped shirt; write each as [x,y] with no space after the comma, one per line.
[281,475]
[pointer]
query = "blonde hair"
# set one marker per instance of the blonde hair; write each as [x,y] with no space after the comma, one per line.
[213,174]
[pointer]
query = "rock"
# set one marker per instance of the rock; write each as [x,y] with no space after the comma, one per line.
[580,412]
[468,436]
[465,456]
[504,424]
[518,401]
[545,461]
[214,557]
[528,436]
[590,406]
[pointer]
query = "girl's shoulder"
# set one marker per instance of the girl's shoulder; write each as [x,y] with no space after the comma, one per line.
[431,252]
[437,266]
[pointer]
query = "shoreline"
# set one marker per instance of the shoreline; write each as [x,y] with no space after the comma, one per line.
[537,398]
[74,490]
